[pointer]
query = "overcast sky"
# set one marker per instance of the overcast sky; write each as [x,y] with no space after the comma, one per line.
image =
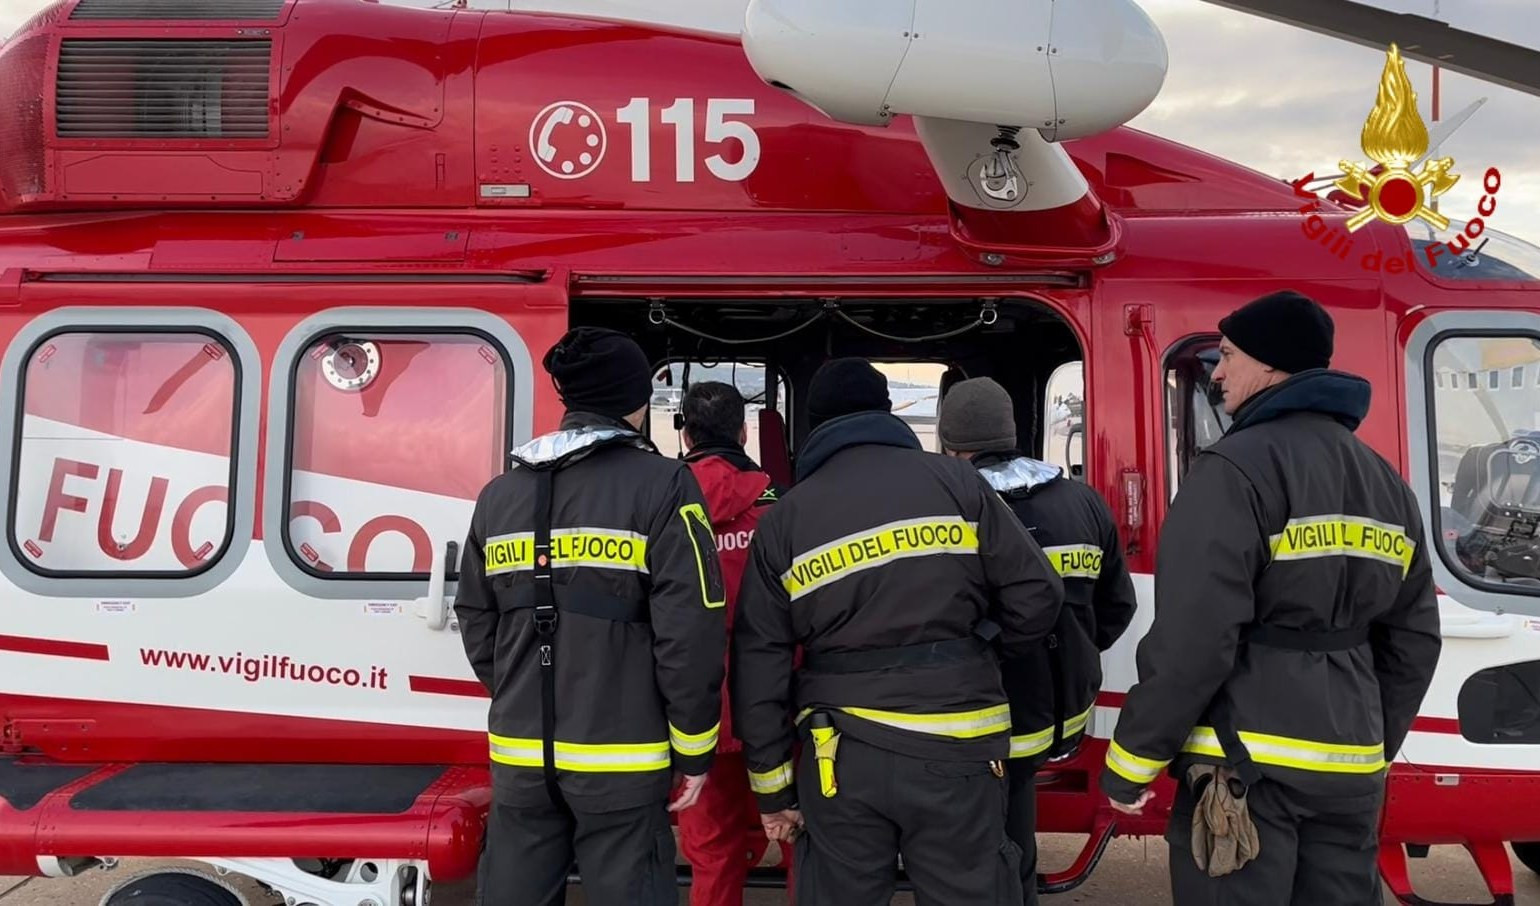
[1286,101]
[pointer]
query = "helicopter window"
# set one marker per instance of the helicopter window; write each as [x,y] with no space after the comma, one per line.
[123,458]
[1195,416]
[1064,423]
[671,381]
[1493,256]
[394,434]
[1501,705]
[1488,464]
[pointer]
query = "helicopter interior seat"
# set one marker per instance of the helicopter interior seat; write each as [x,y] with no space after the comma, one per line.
[1495,474]
[774,455]
[1497,488]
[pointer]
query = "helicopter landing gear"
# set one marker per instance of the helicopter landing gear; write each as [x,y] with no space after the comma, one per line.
[173,887]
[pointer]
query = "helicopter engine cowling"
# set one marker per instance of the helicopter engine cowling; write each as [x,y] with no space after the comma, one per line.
[1067,70]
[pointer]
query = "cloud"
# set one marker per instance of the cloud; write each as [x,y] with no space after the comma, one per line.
[1287,101]
[15,12]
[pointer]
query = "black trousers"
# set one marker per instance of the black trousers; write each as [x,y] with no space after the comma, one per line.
[1308,857]
[625,858]
[1021,824]
[946,819]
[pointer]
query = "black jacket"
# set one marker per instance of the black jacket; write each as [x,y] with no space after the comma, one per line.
[1287,526]
[1057,683]
[640,639]
[881,545]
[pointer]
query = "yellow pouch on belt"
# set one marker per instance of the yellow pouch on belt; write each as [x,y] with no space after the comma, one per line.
[825,741]
[1224,838]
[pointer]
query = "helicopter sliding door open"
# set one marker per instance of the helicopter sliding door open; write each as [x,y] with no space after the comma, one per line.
[770,346]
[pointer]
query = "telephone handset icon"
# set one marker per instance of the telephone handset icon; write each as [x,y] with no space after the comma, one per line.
[568,139]
[543,147]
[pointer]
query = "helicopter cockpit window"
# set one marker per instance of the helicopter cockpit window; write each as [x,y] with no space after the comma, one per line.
[1493,255]
[1194,411]
[1487,439]
[670,382]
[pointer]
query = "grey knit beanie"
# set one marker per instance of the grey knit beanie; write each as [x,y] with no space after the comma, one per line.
[976,416]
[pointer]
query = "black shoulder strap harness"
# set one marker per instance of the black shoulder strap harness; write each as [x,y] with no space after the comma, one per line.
[542,599]
[545,629]
[1273,637]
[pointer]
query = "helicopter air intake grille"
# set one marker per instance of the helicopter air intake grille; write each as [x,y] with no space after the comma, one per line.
[163,89]
[225,10]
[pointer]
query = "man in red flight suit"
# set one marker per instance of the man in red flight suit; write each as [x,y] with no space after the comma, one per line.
[722,836]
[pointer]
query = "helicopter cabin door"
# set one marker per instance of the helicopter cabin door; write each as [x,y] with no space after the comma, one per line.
[236,506]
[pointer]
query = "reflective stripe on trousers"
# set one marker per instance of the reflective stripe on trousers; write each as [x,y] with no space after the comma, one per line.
[585,757]
[955,724]
[1037,742]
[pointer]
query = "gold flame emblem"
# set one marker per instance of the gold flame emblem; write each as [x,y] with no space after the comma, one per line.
[1395,137]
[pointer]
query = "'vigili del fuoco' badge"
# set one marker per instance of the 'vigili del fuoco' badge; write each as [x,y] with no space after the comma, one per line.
[1394,135]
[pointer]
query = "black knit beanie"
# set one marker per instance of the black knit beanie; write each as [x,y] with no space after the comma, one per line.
[843,386]
[1285,330]
[601,371]
[977,417]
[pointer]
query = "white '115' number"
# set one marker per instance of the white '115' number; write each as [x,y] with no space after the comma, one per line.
[681,115]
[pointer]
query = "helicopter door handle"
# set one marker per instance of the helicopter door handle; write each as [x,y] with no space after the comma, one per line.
[1479,625]
[435,607]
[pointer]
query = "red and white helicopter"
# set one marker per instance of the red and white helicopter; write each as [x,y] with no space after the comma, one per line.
[275,276]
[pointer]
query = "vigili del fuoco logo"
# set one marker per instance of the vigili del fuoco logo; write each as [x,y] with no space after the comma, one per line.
[1397,189]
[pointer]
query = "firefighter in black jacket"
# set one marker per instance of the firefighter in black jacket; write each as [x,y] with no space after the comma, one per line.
[1296,631]
[1052,691]
[895,570]
[591,607]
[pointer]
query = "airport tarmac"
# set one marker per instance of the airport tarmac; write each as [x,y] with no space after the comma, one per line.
[1132,872]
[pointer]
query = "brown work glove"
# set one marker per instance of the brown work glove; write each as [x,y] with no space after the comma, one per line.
[1223,835]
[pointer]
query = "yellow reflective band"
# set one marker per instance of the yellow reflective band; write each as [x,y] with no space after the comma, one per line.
[1075,561]
[1347,536]
[584,757]
[693,743]
[958,725]
[1300,754]
[507,553]
[1029,744]
[1132,767]
[772,781]
[880,546]
[712,595]
[570,547]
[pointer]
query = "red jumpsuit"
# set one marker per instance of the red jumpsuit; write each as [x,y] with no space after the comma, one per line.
[721,835]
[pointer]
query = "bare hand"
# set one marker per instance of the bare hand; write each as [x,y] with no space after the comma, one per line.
[782,826]
[1137,808]
[690,786]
